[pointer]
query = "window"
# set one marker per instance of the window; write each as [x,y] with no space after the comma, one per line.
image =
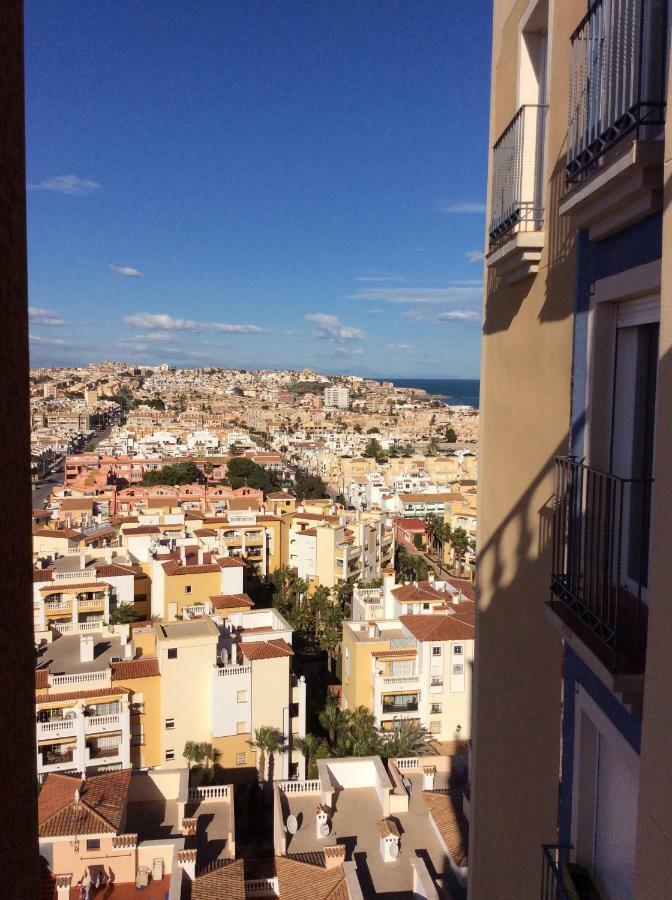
[187,589]
[241,728]
[93,844]
[106,709]
[241,697]
[435,727]
[458,669]
[241,759]
[437,708]
[170,754]
[436,651]
[458,650]
[425,605]
[402,668]
[170,724]
[172,653]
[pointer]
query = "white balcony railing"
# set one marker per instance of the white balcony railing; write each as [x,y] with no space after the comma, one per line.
[57,728]
[312,786]
[210,792]
[228,671]
[102,677]
[103,723]
[400,680]
[93,603]
[58,606]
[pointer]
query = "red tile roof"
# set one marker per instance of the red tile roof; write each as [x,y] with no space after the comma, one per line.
[446,627]
[113,570]
[56,697]
[67,586]
[230,562]
[143,667]
[446,810]
[231,601]
[41,678]
[417,593]
[143,529]
[174,568]
[266,649]
[101,808]
[42,575]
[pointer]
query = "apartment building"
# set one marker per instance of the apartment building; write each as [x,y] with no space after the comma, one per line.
[134,696]
[573,664]
[408,654]
[329,549]
[336,397]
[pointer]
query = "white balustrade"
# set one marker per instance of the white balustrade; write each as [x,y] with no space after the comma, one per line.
[261,887]
[400,680]
[209,792]
[407,763]
[225,671]
[93,603]
[55,728]
[312,786]
[80,678]
[103,723]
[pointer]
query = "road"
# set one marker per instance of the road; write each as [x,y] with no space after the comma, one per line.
[44,488]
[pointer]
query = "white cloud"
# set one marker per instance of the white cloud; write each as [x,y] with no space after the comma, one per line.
[164,322]
[66,184]
[451,315]
[39,316]
[331,328]
[457,292]
[126,271]
[38,340]
[398,346]
[468,207]
[378,278]
[475,256]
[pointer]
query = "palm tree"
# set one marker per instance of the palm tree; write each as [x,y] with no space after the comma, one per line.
[444,534]
[310,746]
[209,756]
[409,738]
[193,753]
[331,717]
[431,523]
[267,741]
[461,543]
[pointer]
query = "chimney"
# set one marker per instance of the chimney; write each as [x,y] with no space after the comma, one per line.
[108,555]
[183,555]
[334,856]
[322,821]
[200,556]
[86,648]
[82,559]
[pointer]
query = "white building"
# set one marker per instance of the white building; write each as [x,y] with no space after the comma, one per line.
[335,396]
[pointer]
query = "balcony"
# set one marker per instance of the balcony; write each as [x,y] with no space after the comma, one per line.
[553,865]
[516,236]
[600,563]
[56,729]
[103,724]
[50,761]
[400,703]
[616,115]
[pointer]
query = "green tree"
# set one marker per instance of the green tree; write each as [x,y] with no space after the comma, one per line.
[193,753]
[312,747]
[461,544]
[123,614]
[357,428]
[373,449]
[373,430]
[179,473]
[331,718]
[309,487]
[267,741]
[243,472]
[451,435]
[409,738]
[410,566]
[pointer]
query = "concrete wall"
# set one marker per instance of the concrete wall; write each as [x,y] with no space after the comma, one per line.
[525,409]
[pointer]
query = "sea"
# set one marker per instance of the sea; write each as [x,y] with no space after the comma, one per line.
[453,391]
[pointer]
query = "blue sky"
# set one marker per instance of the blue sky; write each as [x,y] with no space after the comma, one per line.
[258,183]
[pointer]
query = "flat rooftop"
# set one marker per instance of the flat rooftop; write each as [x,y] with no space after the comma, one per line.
[353,824]
[360,631]
[62,655]
[175,631]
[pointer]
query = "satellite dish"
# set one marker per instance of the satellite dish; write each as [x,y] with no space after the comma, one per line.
[292,824]
[394,850]
[324,830]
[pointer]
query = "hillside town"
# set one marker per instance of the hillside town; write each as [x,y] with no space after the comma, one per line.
[249,587]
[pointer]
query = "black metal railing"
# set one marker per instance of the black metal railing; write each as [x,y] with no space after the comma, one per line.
[553,860]
[516,202]
[617,77]
[600,551]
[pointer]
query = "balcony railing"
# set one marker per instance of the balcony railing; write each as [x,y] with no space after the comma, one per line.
[617,78]
[516,202]
[600,553]
[553,860]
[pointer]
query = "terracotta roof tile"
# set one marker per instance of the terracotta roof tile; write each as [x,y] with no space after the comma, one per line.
[229,562]
[387,827]
[42,575]
[101,808]
[231,601]
[174,568]
[54,697]
[144,667]
[266,649]
[113,570]
[446,810]
[41,679]
[226,882]
[67,586]
[458,627]
[303,881]
[142,529]
[417,593]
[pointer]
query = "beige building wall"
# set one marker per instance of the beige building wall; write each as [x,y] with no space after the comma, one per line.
[202,586]
[653,874]
[357,668]
[525,397]
[77,861]
[186,691]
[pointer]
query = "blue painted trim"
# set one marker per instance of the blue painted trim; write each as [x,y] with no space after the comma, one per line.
[635,246]
[577,673]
